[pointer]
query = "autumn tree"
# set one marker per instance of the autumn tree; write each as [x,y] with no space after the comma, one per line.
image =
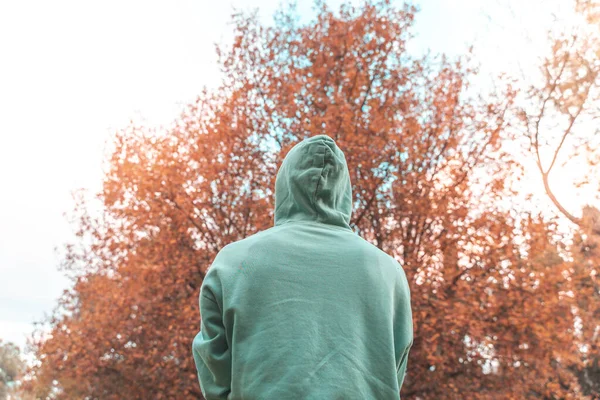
[562,108]
[560,113]
[492,312]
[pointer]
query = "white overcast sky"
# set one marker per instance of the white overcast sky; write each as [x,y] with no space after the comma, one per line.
[72,72]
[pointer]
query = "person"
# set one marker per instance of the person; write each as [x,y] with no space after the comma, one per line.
[305,309]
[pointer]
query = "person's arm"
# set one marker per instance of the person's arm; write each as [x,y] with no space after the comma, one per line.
[403,324]
[212,353]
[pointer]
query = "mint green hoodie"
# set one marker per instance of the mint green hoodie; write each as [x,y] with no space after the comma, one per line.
[306,309]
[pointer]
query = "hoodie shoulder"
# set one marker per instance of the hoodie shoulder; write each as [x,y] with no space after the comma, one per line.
[236,251]
[218,276]
[383,257]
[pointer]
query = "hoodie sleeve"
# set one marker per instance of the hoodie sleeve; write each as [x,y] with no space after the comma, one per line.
[211,351]
[403,324]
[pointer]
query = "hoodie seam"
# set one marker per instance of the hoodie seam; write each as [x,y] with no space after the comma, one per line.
[320,224]
[314,197]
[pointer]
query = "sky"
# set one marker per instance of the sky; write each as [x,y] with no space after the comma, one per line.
[72,72]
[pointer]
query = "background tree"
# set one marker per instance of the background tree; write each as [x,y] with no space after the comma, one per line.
[493,314]
[563,106]
[11,366]
[561,115]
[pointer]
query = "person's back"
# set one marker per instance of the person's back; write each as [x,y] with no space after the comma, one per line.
[305,309]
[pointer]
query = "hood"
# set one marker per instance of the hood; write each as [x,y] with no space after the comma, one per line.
[313,184]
